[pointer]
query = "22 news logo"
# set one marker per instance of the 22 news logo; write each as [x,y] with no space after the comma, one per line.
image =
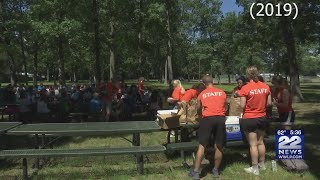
[289,144]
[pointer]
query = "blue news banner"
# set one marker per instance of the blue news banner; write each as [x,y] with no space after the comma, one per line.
[289,144]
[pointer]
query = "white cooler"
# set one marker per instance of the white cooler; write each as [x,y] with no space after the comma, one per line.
[233,132]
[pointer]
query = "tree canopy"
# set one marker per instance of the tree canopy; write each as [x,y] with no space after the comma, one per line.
[159,39]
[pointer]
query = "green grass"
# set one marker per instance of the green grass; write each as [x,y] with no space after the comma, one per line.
[168,166]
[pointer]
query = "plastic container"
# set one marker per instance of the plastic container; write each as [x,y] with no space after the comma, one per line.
[233,131]
[274,165]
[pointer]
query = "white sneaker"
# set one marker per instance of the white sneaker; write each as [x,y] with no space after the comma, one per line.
[172,134]
[263,168]
[251,170]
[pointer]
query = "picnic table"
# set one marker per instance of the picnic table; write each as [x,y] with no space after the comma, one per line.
[84,129]
[5,126]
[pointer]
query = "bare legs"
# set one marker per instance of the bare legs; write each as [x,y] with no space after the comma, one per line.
[257,147]
[217,157]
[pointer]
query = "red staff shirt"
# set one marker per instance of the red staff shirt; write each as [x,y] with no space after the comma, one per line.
[256,94]
[110,91]
[188,95]
[177,94]
[140,87]
[213,102]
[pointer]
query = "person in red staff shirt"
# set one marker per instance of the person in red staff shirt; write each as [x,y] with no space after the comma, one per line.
[140,86]
[255,97]
[107,93]
[177,93]
[213,102]
[190,94]
[283,101]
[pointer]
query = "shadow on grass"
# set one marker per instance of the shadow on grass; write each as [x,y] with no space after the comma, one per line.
[233,155]
[311,96]
[308,118]
[311,86]
[109,173]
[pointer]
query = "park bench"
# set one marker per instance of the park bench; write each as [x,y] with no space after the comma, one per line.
[193,145]
[37,153]
[83,129]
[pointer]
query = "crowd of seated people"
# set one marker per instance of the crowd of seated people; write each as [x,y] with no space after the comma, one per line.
[111,99]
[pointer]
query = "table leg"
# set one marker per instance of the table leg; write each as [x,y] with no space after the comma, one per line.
[139,157]
[51,144]
[37,147]
[136,139]
[184,163]
[43,144]
[24,169]
[184,135]
[176,136]
[43,140]
[168,137]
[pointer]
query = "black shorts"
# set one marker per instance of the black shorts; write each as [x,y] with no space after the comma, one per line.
[287,118]
[212,128]
[252,124]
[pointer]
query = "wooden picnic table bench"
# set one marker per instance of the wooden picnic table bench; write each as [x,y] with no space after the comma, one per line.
[84,129]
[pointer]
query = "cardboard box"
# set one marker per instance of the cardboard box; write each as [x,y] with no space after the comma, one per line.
[233,131]
[234,108]
[167,120]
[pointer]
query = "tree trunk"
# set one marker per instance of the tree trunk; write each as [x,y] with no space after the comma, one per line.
[166,72]
[292,60]
[112,58]
[140,54]
[229,78]
[169,48]
[35,66]
[23,57]
[62,80]
[12,67]
[75,77]
[95,78]
[7,41]
[48,75]
[23,48]
[97,40]
[54,76]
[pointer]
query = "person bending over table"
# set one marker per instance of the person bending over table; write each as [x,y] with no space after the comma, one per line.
[254,98]
[213,102]
[234,108]
[177,93]
[188,103]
